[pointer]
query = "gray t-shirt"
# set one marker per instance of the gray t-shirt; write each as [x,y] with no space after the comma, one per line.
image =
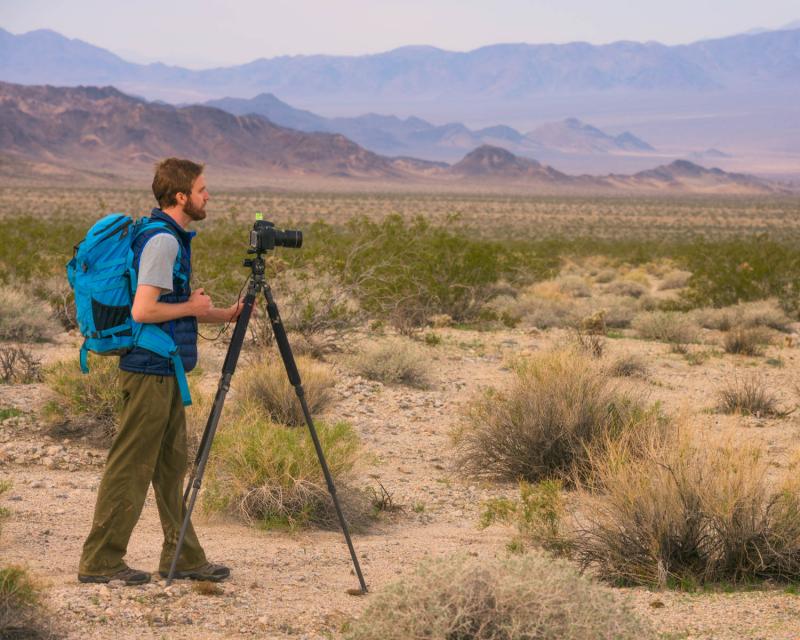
[157,261]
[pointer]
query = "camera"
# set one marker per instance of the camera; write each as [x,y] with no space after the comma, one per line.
[265,237]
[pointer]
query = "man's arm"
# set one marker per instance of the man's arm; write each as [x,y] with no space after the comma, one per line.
[147,309]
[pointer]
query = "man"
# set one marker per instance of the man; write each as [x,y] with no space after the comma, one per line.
[151,443]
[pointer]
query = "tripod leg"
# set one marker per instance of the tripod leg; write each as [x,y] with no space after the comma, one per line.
[228,368]
[294,378]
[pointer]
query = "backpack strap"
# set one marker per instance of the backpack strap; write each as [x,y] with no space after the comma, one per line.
[153,339]
[149,336]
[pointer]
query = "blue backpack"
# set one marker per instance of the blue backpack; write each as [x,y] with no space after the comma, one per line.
[103,279]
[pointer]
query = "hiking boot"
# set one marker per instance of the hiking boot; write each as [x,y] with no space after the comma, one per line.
[130,577]
[209,571]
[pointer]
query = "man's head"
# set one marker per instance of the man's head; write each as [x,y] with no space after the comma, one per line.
[180,184]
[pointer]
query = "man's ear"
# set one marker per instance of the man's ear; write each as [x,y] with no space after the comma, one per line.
[181,199]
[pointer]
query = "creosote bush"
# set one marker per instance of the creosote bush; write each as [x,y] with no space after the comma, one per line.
[558,407]
[394,361]
[268,474]
[23,318]
[747,341]
[19,366]
[749,395]
[91,402]
[264,383]
[629,365]
[530,596]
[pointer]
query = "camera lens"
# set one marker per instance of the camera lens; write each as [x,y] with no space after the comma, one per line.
[291,239]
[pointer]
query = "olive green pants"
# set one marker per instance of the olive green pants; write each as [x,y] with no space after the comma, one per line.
[149,447]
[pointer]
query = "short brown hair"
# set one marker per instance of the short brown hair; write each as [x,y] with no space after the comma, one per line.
[174,176]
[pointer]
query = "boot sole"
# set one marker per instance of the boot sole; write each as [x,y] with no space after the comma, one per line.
[107,579]
[184,575]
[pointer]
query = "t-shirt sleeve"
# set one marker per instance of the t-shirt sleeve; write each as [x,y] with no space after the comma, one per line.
[157,261]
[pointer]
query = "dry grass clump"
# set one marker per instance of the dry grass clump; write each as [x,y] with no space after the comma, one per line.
[268,474]
[629,365]
[559,406]
[21,614]
[394,361]
[619,310]
[747,341]
[264,384]
[530,596]
[749,395]
[672,327]
[686,513]
[91,402]
[23,318]
[723,319]
[676,279]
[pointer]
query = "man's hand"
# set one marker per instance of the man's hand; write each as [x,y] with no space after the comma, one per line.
[200,304]
[235,310]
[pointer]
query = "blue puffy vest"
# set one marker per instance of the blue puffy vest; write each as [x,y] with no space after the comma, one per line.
[182,330]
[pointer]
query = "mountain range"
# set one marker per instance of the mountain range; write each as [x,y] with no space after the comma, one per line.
[736,94]
[94,134]
[414,136]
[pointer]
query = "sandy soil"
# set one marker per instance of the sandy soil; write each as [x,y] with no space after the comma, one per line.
[294,585]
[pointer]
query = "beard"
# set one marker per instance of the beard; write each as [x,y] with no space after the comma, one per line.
[195,213]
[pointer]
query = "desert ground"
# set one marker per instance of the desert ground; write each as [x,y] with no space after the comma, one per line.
[294,583]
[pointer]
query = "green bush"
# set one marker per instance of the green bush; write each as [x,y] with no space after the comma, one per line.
[92,402]
[725,272]
[268,474]
[530,596]
[21,614]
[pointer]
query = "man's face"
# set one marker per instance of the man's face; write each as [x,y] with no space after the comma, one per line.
[195,206]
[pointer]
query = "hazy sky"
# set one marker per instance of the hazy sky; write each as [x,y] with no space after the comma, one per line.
[203,33]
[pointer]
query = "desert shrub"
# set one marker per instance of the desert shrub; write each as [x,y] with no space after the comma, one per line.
[264,383]
[575,286]
[58,295]
[672,327]
[268,474]
[629,365]
[394,361]
[23,318]
[723,319]
[558,406]
[619,310]
[528,596]
[748,395]
[605,276]
[21,615]
[725,272]
[538,514]
[675,280]
[687,513]
[92,401]
[747,341]
[628,288]
[19,366]
[764,313]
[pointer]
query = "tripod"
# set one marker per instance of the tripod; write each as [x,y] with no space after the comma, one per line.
[257,283]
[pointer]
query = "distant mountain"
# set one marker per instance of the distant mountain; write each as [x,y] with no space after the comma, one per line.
[390,135]
[488,74]
[572,135]
[106,130]
[98,134]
